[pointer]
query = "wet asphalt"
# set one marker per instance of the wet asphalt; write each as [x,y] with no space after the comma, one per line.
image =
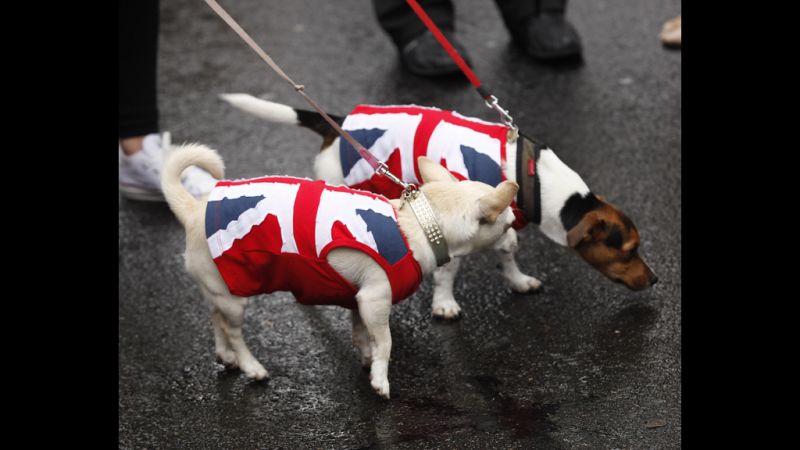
[584,364]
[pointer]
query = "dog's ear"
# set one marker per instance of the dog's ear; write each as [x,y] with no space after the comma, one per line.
[492,204]
[430,171]
[589,227]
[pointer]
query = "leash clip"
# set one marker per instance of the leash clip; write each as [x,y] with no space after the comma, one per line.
[505,117]
[383,169]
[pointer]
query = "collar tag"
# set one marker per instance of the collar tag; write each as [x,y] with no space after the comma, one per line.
[513,133]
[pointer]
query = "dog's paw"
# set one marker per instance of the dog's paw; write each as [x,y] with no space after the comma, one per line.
[379,378]
[227,358]
[525,285]
[381,386]
[446,309]
[255,371]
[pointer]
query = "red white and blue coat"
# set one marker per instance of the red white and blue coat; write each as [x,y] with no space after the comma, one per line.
[273,234]
[469,148]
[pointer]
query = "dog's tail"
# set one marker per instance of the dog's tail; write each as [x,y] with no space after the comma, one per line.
[276,112]
[182,203]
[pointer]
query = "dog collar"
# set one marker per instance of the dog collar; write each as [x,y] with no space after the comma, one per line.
[529,197]
[427,220]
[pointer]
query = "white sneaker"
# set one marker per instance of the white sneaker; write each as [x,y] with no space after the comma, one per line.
[140,173]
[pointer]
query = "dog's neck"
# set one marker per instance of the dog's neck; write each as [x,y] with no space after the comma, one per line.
[557,183]
[417,241]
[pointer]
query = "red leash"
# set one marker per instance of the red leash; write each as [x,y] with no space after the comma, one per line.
[491,100]
[448,48]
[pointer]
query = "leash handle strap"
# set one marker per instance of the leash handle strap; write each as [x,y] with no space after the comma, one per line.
[369,157]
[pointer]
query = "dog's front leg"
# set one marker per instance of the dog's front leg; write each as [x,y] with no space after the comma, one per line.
[374,306]
[444,304]
[518,281]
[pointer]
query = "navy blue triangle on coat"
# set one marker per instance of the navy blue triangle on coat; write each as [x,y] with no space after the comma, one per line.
[481,167]
[220,213]
[348,155]
[386,233]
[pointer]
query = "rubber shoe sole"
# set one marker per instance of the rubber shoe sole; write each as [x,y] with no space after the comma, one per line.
[137,193]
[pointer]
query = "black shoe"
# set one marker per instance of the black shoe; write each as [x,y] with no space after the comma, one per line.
[549,36]
[425,56]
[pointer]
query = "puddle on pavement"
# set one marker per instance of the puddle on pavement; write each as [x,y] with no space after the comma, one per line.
[421,418]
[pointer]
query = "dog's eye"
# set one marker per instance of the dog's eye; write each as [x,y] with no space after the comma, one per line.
[483,221]
[614,238]
[630,254]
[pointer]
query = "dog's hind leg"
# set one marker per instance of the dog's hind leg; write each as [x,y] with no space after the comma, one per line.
[444,305]
[518,281]
[227,310]
[361,339]
[223,349]
[228,316]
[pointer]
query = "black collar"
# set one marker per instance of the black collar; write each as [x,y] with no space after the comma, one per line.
[529,197]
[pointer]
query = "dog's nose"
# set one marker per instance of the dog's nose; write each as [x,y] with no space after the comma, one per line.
[653,280]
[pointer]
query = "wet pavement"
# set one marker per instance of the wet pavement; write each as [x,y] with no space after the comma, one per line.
[584,364]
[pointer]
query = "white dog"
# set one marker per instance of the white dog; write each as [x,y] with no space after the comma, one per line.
[471,216]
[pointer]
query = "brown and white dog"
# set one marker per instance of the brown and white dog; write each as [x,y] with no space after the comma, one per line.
[472,216]
[567,211]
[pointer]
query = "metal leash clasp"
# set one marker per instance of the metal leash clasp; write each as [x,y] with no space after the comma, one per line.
[383,169]
[410,191]
[505,117]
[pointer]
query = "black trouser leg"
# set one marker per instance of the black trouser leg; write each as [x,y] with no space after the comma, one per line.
[402,24]
[137,29]
[516,13]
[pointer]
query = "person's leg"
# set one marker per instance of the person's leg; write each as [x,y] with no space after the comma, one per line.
[137,51]
[419,50]
[540,27]
[141,146]
[139,143]
[517,13]
[400,22]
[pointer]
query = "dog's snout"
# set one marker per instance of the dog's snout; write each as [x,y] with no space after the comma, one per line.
[653,280]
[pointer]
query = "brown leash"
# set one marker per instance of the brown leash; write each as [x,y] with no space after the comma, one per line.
[379,167]
[414,197]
